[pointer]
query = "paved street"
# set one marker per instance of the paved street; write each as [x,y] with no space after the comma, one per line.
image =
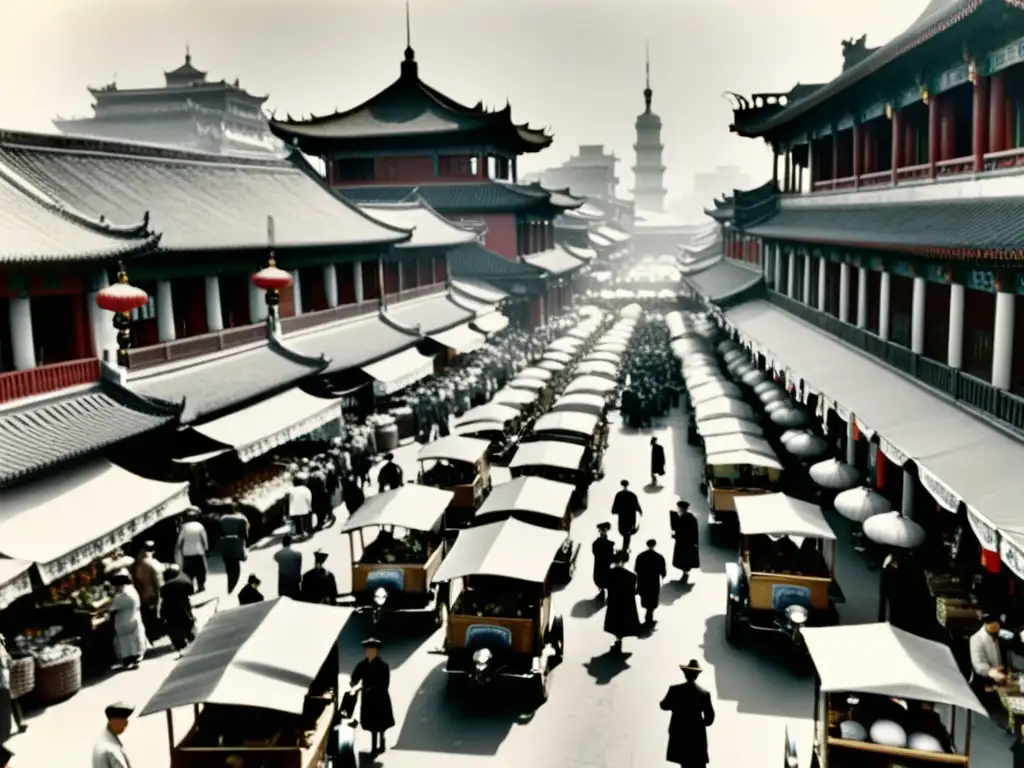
[602,713]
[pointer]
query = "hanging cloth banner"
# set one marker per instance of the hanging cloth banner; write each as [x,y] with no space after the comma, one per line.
[841,411]
[987,535]
[942,493]
[898,457]
[1012,555]
[865,430]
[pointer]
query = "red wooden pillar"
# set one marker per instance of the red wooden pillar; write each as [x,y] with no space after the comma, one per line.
[979,119]
[858,140]
[934,109]
[997,112]
[909,156]
[870,149]
[897,143]
[835,154]
[947,129]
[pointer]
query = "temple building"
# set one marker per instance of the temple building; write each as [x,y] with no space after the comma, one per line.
[412,141]
[188,112]
[888,246]
[649,186]
[589,173]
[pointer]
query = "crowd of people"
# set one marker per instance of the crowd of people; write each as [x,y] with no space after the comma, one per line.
[653,378]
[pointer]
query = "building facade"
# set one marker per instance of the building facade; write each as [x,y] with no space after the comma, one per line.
[589,173]
[188,112]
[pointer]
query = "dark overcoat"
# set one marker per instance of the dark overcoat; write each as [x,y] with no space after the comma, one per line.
[657,459]
[650,570]
[390,477]
[375,713]
[319,586]
[692,714]
[621,617]
[686,552]
[625,507]
[603,549]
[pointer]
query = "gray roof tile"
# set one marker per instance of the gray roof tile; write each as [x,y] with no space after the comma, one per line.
[466,197]
[723,280]
[473,260]
[209,386]
[555,261]
[430,315]
[351,343]
[196,201]
[38,437]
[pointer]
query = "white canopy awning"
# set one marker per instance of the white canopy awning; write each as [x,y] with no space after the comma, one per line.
[777,514]
[66,521]
[15,580]
[492,322]
[884,660]
[399,371]
[737,441]
[278,420]
[462,339]
[742,458]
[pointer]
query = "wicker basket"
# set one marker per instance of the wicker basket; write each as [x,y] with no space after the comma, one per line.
[23,676]
[58,680]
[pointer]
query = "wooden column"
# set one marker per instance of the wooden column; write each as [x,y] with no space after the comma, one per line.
[934,109]
[897,144]
[947,129]
[835,154]
[855,165]
[775,167]
[979,120]
[789,172]
[812,172]
[870,148]
[997,112]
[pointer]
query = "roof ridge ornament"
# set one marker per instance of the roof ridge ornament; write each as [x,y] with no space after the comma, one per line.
[410,69]
[648,93]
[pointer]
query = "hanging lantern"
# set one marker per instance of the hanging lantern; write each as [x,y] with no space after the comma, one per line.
[122,298]
[271,279]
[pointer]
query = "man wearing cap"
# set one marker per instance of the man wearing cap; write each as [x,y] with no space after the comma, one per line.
[300,505]
[375,713]
[234,539]
[604,554]
[147,575]
[650,570]
[657,460]
[626,507]
[692,714]
[987,665]
[250,593]
[109,751]
[390,476]
[318,585]
[191,548]
[289,569]
[686,552]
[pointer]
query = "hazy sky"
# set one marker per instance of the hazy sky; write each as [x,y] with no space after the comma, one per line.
[573,65]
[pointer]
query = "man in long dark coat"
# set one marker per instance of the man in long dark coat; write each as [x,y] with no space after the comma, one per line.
[318,585]
[604,553]
[692,715]
[657,460]
[176,608]
[686,552]
[650,570]
[375,713]
[390,476]
[621,618]
[626,507]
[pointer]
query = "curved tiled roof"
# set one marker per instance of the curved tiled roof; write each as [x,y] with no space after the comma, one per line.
[469,197]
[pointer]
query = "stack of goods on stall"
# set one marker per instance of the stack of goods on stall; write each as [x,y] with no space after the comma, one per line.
[412,548]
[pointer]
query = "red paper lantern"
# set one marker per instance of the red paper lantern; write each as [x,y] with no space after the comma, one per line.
[272,278]
[990,561]
[121,296]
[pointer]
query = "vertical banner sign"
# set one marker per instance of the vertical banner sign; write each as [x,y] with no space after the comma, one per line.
[898,457]
[987,535]
[1012,554]
[942,493]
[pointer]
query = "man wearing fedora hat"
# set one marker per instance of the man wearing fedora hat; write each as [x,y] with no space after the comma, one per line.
[692,715]
[604,554]
[686,552]
[375,712]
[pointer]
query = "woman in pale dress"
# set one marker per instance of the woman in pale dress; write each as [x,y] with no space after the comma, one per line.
[129,630]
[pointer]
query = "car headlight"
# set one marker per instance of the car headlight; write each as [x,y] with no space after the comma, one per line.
[482,658]
[380,596]
[797,615]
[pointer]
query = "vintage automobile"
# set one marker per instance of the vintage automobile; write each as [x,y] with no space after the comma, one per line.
[565,344]
[252,700]
[580,428]
[502,439]
[502,625]
[461,465]
[733,474]
[536,501]
[581,402]
[592,385]
[877,693]
[394,572]
[778,585]
[558,356]
[563,462]
[526,400]
[506,414]
[604,370]
[531,381]
[603,357]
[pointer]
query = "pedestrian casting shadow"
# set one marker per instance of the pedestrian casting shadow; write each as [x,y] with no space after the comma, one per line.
[584,609]
[673,590]
[368,760]
[754,675]
[401,638]
[651,488]
[607,666]
[448,721]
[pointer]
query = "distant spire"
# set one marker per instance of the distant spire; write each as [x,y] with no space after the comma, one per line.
[188,55]
[410,69]
[648,93]
[408,27]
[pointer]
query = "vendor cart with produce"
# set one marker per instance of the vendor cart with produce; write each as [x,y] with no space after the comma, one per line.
[502,626]
[394,572]
[262,680]
[563,462]
[460,465]
[732,475]
[502,441]
[541,502]
[878,694]
[579,428]
[784,578]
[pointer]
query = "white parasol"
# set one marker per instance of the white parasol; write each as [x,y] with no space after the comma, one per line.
[805,445]
[727,346]
[778,405]
[790,417]
[858,504]
[733,356]
[767,386]
[892,529]
[775,395]
[832,474]
[752,378]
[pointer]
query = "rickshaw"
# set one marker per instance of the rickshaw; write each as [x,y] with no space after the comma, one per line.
[593,385]
[461,465]
[502,439]
[502,626]
[733,474]
[876,689]
[506,414]
[537,501]
[602,370]
[395,574]
[558,460]
[777,584]
[253,701]
[581,402]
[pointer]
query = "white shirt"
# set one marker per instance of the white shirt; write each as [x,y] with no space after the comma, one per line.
[985,653]
[192,539]
[300,501]
[109,752]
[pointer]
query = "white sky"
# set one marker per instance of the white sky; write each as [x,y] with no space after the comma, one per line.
[573,65]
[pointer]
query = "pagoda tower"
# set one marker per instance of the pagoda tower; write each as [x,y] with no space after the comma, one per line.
[649,187]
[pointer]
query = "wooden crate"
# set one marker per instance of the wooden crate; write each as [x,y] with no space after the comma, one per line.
[523,630]
[761,585]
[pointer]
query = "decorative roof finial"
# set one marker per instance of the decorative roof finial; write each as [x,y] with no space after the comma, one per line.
[410,70]
[648,93]
[188,55]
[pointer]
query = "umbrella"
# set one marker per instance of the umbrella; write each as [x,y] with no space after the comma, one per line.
[560,357]
[858,504]
[740,369]
[750,378]
[833,474]
[766,386]
[733,355]
[778,405]
[805,445]
[790,417]
[727,346]
[892,529]
[774,396]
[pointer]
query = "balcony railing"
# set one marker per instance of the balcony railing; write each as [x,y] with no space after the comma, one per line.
[15,385]
[312,319]
[194,346]
[979,395]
